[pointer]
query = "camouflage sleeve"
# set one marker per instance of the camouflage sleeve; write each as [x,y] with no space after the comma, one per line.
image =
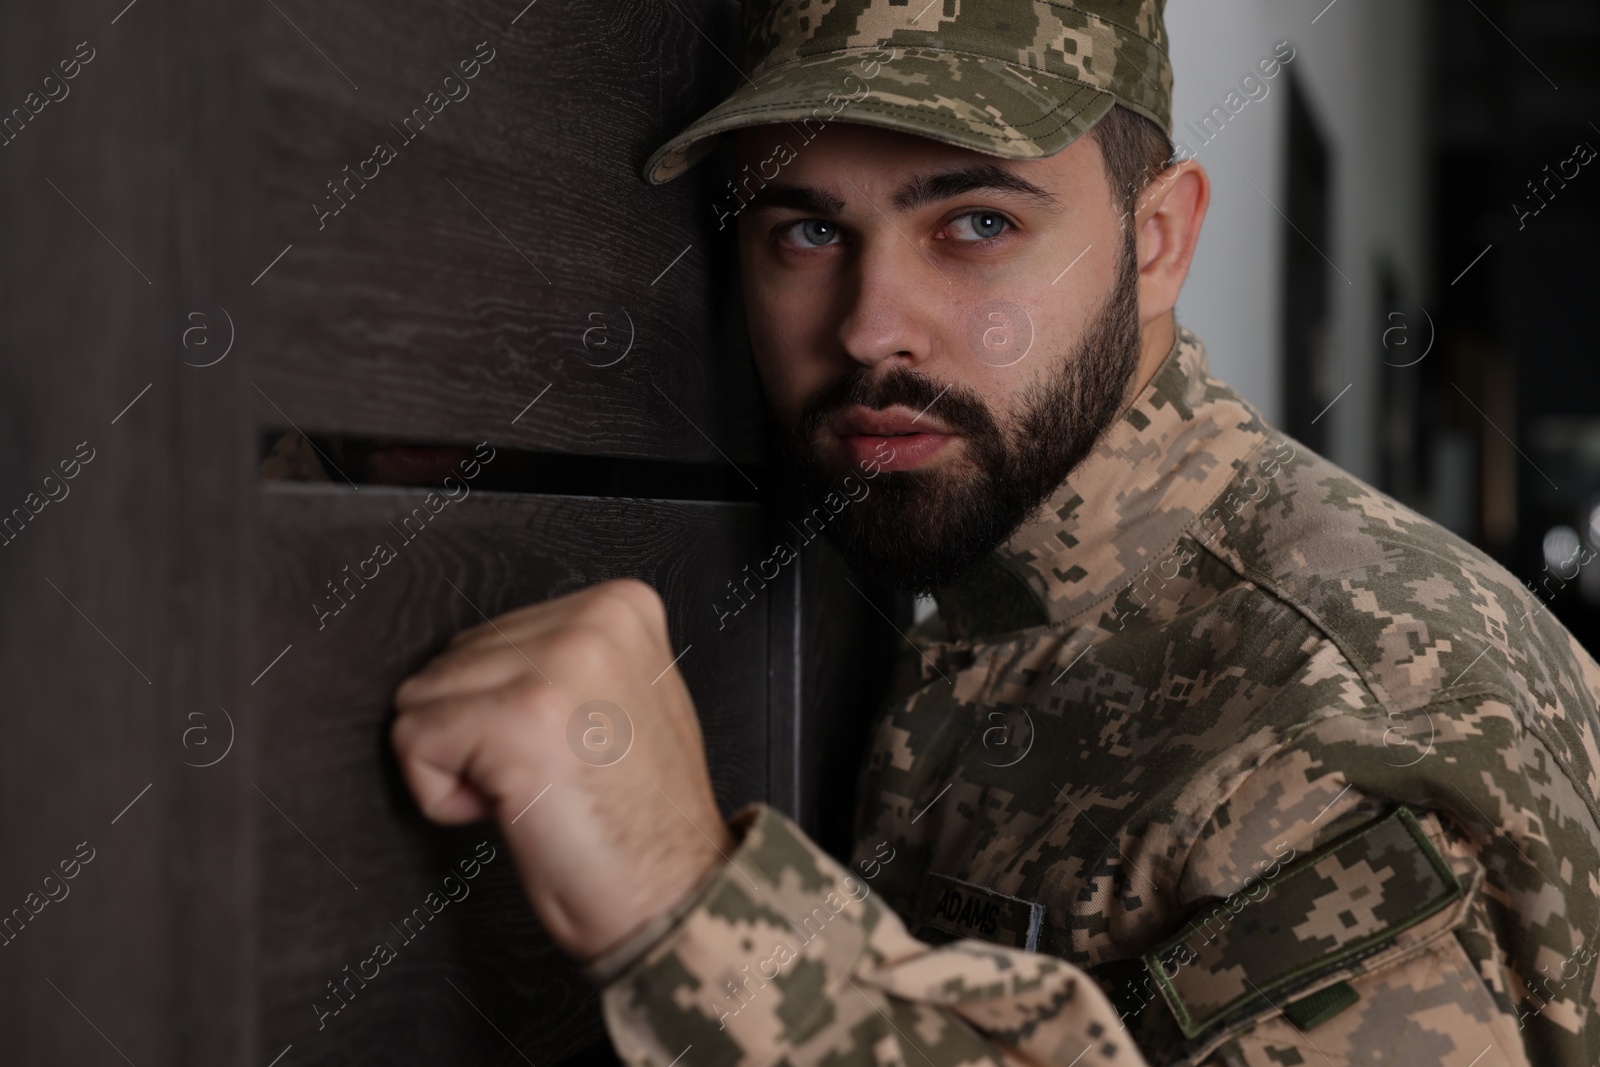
[786,957]
[1340,931]
[1430,1007]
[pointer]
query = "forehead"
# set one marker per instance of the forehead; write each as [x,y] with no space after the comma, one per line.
[842,153]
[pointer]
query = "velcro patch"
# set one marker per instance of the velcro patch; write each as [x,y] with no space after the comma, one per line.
[1316,915]
[961,909]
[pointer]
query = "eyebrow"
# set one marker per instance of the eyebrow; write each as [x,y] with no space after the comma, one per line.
[919,191]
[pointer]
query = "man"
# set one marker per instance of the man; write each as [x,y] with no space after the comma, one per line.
[1212,755]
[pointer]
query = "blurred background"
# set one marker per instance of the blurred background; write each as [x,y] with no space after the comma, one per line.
[232,366]
[1399,264]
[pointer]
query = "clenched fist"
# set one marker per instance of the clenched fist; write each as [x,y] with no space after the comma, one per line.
[483,730]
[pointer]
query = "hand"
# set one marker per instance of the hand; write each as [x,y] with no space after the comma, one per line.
[483,730]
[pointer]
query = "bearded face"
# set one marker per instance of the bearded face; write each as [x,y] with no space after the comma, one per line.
[922,528]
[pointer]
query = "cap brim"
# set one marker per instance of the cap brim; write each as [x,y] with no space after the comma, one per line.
[969,101]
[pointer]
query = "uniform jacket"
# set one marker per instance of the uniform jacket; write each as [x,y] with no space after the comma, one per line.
[1224,757]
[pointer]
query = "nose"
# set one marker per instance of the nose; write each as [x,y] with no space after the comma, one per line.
[897,296]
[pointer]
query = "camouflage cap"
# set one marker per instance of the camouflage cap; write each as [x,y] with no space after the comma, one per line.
[1020,79]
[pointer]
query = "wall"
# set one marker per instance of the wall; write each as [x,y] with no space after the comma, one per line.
[1361,65]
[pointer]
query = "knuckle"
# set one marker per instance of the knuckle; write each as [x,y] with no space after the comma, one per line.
[636,589]
[405,734]
[405,693]
[640,603]
[508,778]
[426,684]
[528,693]
[586,649]
[605,608]
[463,637]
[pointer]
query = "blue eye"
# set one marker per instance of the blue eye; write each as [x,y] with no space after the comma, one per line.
[814,233]
[983,224]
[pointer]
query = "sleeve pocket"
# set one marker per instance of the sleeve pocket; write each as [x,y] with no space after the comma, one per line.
[1347,936]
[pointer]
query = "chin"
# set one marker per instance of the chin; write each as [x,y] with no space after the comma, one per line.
[919,529]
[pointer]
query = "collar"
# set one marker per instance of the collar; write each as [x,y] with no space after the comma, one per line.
[1161,464]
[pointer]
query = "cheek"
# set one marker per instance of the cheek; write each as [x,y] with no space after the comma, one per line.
[791,343]
[1011,391]
[786,366]
[1008,398]
[763,312]
[779,383]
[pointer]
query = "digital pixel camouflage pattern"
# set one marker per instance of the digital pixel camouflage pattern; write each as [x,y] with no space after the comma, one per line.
[1268,769]
[1019,79]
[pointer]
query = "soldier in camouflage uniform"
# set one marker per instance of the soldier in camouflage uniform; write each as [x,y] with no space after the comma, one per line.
[1247,764]
[1221,757]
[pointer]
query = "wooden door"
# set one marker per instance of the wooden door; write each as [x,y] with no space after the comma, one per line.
[280,270]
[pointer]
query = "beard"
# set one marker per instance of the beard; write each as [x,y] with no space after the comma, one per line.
[922,529]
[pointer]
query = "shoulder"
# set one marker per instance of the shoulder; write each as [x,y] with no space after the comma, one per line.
[1414,608]
[1447,648]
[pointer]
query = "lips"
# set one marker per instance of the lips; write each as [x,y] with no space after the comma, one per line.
[889,422]
[895,438]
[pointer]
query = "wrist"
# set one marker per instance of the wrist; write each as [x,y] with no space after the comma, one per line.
[601,968]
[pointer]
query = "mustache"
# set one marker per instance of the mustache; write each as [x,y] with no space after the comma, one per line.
[960,407]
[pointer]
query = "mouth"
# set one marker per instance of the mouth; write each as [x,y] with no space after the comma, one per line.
[894,421]
[894,438]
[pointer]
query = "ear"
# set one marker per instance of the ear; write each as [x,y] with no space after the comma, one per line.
[1167,221]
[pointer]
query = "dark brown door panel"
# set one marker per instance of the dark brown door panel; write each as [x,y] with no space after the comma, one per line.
[454,245]
[345,858]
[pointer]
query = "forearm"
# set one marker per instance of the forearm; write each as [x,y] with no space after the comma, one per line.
[787,956]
